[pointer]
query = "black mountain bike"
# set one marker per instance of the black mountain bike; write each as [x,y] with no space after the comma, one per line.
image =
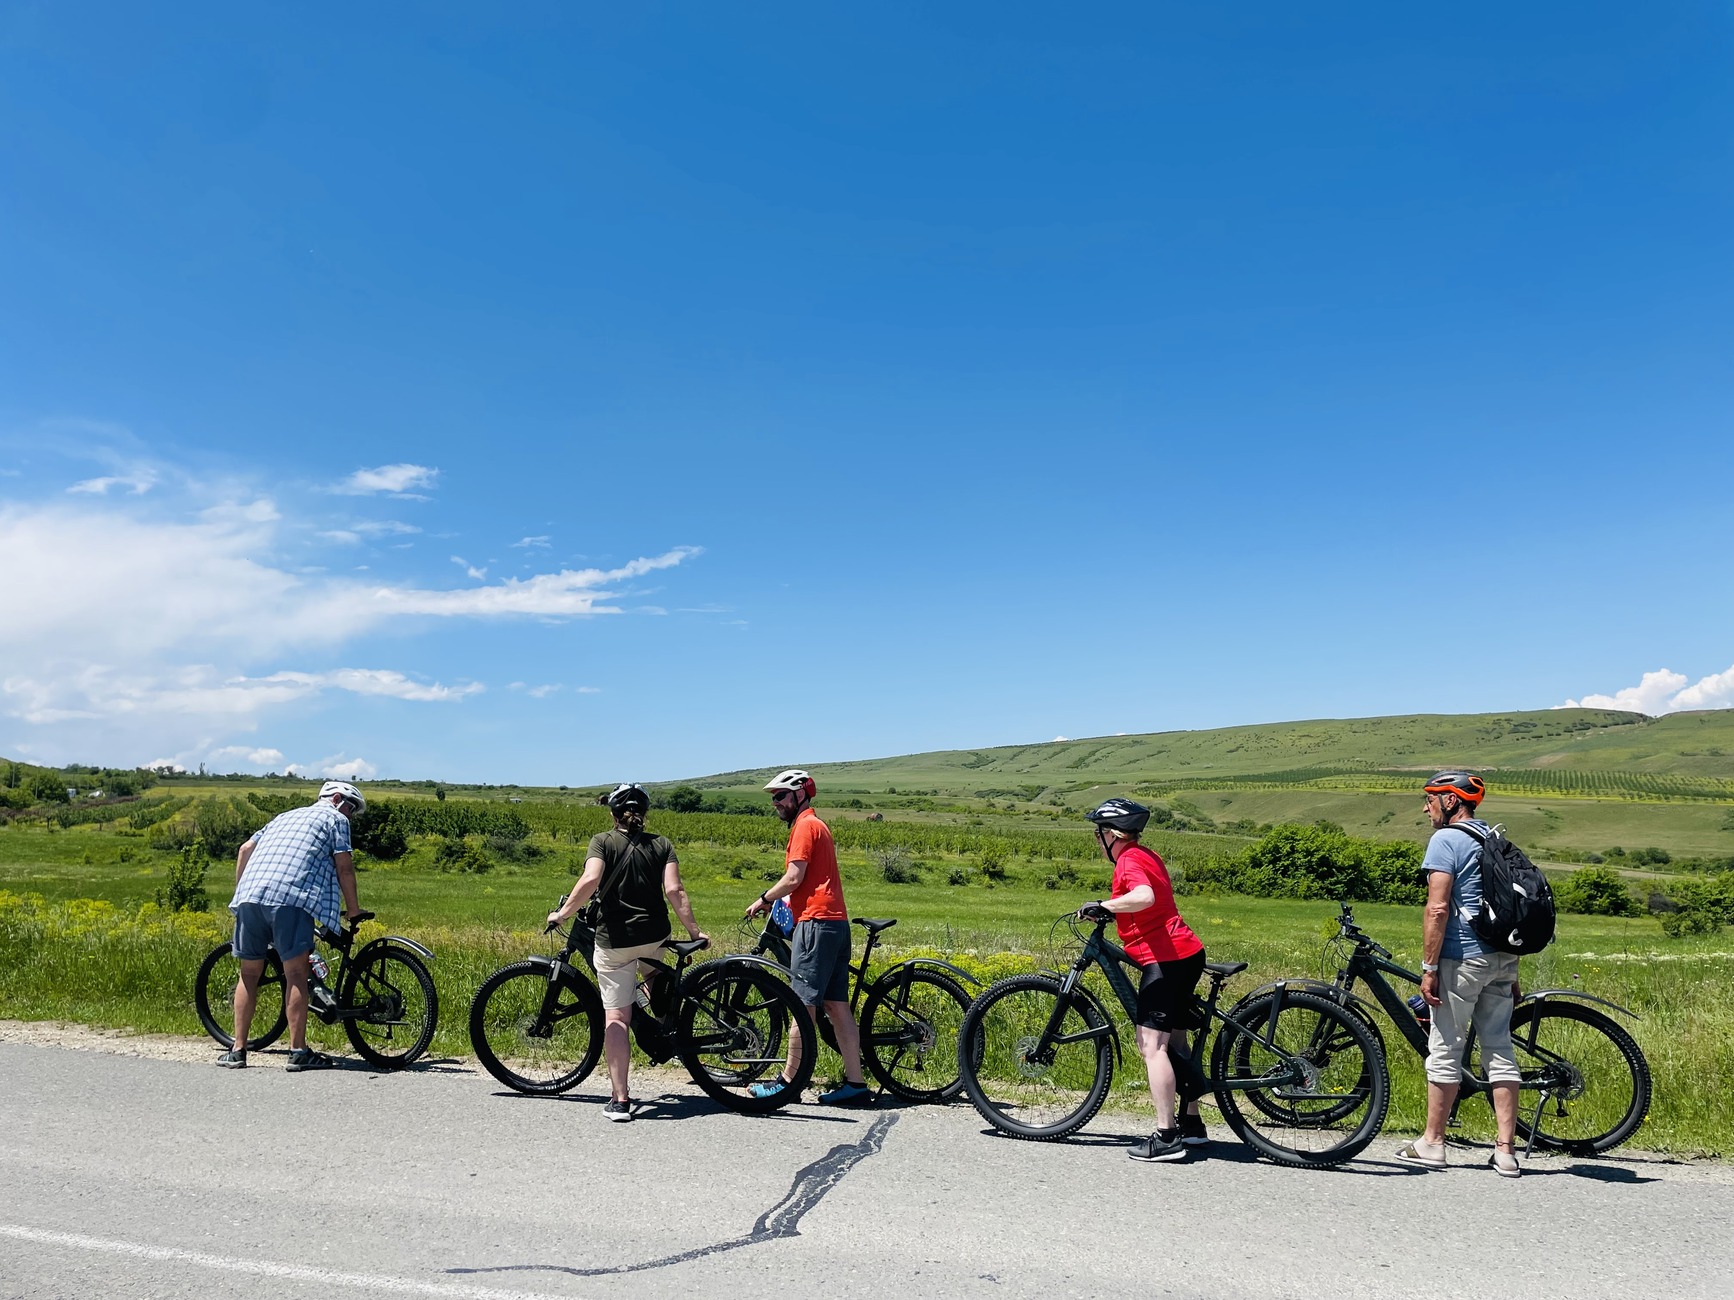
[536,1025]
[910,1022]
[383,996]
[1586,1084]
[1298,1078]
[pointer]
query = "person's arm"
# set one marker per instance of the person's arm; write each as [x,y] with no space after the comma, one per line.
[242,855]
[344,861]
[1133,900]
[580,894]
[791,880]
[675,892]
[1433,923]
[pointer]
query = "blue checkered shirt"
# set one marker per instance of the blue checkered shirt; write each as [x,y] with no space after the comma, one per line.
[291,863]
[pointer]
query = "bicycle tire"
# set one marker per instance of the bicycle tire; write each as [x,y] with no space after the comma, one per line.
[1608,1084]
[539,1061]
[1331,1115]
[1028,1099]
[214,998]
[395,992]
[730,1030]
[910,1026]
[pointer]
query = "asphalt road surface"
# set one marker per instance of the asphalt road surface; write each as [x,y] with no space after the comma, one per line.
[129,1176]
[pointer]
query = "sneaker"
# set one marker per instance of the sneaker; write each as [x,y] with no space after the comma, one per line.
[1192,1131]
[846,1094]
[1161,1146]
[765,1091]
[620,1112]
[305,1058]
[233,1059]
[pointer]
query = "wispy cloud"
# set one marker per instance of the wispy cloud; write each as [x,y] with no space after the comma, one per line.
[137,483]
[479,574]
[533,543]
[336,766]
[397,480]
[1665,691]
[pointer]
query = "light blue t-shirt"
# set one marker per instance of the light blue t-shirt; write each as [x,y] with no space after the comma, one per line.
[1459,853]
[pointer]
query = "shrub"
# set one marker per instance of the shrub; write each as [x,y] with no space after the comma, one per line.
[222,827]
[957,876]
[455,853]
[186,887]
[47,787]
[992,864]
[1596,891]
[683,798]
[1703,904]
[1293,861]
[380,832]
[172,836]
[896,865]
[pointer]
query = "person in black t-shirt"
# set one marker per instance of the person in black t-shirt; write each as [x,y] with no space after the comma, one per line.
[636,878]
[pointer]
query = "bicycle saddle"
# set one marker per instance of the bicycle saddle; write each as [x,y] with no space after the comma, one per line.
[874,927]
[1223,969]
[686,947]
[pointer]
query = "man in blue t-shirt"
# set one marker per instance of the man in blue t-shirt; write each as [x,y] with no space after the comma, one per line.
[1464,981]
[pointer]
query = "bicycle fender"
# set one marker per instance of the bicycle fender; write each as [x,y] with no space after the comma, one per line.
[1578,996]
[551,963]
[1325,989]
[738,959]
[933,963]
[395,941]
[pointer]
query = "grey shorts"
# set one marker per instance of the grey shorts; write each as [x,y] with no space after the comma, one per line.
[1474,991]
[819,961]
[287,928]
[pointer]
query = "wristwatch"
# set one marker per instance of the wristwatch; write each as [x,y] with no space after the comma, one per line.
[1429,968]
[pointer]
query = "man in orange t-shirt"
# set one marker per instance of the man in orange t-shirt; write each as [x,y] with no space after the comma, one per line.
[820,948]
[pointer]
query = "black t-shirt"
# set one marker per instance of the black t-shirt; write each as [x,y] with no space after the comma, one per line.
[634,909]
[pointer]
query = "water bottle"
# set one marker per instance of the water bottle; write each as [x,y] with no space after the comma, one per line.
[1423,1013]
[321,971]
[323,999]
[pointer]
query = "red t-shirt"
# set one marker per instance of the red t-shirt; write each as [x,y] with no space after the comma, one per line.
[819,896]
[1157,933]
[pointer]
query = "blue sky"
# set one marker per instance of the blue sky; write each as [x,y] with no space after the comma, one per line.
[643,391]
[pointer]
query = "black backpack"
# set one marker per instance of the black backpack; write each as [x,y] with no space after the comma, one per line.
[1517,913]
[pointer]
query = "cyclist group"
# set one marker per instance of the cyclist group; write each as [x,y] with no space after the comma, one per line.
[290,873]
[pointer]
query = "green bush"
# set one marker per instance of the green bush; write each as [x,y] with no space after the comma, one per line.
[896,865]
[186,887]
[1596,891]
[1704,904]
[222,826]
[47,787]
[1318,861]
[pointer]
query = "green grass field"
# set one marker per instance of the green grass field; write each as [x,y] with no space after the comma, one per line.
[79,942]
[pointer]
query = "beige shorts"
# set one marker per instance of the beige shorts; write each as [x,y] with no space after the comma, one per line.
[617,972]
[1478,991]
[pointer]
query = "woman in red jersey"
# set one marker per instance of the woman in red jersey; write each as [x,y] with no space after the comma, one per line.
[1171,960]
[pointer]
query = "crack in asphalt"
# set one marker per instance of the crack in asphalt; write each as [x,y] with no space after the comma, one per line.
[783,1219]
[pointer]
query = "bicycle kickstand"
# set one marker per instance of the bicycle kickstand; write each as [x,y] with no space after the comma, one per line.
[1534,1124]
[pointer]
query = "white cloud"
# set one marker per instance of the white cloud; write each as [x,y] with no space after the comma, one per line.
[255,757]
[543,692]
[532,543]
[137,483]
[336,766]
[395,479]
[370,528]
[1057,739]
[480,575]
[1665,691]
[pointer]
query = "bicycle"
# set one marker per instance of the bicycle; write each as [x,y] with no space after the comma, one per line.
[910,1021]
[1589,1077]
[383,996]
[1299,1079]
[536,1024]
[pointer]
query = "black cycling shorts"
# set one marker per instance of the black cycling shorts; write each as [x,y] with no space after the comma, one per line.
[1165,992]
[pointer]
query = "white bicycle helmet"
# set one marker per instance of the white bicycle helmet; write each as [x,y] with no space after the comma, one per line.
[348,793]
[793,779]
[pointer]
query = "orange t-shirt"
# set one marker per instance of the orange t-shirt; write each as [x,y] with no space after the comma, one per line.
[819,896]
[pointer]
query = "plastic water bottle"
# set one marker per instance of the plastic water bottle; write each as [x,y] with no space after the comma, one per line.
[321,971]
[1423,1013]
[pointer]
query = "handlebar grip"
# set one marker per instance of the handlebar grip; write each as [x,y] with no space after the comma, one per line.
[1095,912]
[359,917]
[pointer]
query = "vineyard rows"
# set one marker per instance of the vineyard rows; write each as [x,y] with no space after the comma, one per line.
[1649,787]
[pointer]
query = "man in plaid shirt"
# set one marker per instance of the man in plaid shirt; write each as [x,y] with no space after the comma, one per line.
[287,877]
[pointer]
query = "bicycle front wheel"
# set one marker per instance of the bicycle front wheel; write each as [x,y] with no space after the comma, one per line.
[734,1021]
[533,1035]
[909,1032]
[1299,1079]
[394,1007]
[1595,1075]
[1027,1080]
[214,998]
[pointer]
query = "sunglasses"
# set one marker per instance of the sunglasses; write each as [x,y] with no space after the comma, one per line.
[781,795]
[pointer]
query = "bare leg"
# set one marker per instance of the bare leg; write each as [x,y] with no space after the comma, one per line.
[1440,1096]
[1505,1115]
[617,1049]
[1153,1046]
[295,975]
[791,1065]
[848,1036]
[246,999]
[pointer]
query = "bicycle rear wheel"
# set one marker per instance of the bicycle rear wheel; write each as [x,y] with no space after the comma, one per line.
[733,1022]
[397,1007]
[909,1032]
[1597,1079]
[533,1036]
[1299,1079]
[1022,1088]
[214,998]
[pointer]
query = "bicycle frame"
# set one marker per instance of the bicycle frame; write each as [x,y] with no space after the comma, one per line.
[341,942]
[772,942]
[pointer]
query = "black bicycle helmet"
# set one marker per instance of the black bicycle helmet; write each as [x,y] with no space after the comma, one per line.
[1465,785]
[626,798]
[1121,815]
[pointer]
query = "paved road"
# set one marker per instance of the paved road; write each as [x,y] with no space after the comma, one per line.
[122,1176]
